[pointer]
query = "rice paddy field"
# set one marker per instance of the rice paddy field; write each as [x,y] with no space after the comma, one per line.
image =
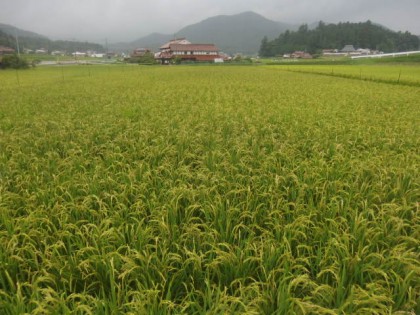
[208,190]
[404,74]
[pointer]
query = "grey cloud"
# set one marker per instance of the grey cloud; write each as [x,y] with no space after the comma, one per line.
[122,20]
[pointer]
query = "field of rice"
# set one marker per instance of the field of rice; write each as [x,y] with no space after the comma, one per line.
[207,190]
[404,74]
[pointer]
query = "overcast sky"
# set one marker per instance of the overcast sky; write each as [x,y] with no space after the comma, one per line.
[126,20]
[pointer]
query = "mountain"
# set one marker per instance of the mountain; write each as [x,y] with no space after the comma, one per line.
[240,33]
[12,31]
[152,41]
[235,33]
[31,40]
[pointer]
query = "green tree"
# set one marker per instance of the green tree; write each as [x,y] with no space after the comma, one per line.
[148,58]
[264,50]
[361,35]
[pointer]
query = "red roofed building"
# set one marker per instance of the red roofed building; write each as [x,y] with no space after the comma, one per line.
[6,50]
[301,54]
[140,52]
[186,51]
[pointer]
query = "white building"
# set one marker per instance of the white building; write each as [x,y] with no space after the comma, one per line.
[78,54]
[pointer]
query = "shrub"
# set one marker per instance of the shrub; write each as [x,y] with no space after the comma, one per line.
[177,60]
[14,62]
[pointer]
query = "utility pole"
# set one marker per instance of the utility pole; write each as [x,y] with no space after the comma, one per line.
[17,42]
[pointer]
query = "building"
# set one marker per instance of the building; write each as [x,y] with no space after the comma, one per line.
[97,55]
[225,56]
[79,54]
[184,50]
[301,55]
[333,53]
[41,51]
[111,54]
[364,51]
[6,50]
[140,52]
[58,53]
[348,49]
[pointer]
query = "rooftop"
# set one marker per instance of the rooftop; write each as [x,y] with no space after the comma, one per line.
[348,48]
[4,48]
[193,47]
[182,41]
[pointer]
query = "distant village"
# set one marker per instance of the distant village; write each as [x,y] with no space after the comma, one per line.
[347,50]
[176,50]
[42,51]
[181,50]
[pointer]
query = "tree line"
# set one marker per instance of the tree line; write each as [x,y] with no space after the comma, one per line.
[336,36]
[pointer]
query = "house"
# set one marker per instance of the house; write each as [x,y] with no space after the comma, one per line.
[301,54]
[140,52]
[6,50]
[184,50]
[329,51]
[225,56]
[111,54]
[97,55]
[58,53]
[348,49]
[364,51]
[78,54]
[332,53]
[41,51]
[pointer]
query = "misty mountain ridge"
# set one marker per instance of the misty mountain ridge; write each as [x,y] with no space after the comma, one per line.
[13,31]
[239,33]
[234,33]
[33,41]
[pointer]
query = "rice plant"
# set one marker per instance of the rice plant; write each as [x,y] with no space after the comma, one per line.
[207,190]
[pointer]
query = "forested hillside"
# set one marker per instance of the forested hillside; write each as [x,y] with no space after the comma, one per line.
[34,41]
[335,36]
